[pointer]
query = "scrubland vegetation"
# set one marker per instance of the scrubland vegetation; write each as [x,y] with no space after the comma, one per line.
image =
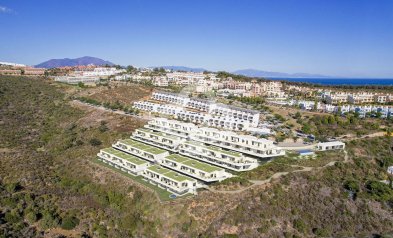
[50,187]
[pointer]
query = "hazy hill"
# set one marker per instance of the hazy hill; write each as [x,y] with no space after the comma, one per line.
[183,68]
[261,73]
[86,60]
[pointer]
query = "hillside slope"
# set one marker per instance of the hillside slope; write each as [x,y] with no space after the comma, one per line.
[49,184]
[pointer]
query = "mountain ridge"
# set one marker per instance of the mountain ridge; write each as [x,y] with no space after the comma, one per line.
[85,60]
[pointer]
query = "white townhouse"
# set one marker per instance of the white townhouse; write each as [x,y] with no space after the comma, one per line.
[187,77]
[171,98]
[142,150]
[160,81]
[173,127]
[223,110]
[332,145]
[209,107]
[101,71]
[194,168]
[246,144]
[159,139]
[123,161]
[170,180]
[228,123]
[77,79]
[336,98]
[383,98]
[214,155]
[359,98]
[201,104]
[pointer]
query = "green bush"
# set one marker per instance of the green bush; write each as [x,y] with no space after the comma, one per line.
[299,225]
[69,222]
[379,191]
[31,217]
[95,142]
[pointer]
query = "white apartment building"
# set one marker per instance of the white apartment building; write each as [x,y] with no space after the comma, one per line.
[332,145]
[201,104]
[171,98]
[180,113]
[245,144]
[123,161]
[158,139]
[195,169]
[160,82]
[142,150]
[227,123]
[170,180]
[173,127]
[100,71]
[220,110]
[217,156]
[223,110]
[360,98]
[77,79]
[336,98]
[383,98]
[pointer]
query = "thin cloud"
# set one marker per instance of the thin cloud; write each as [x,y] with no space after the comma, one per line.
[5,9]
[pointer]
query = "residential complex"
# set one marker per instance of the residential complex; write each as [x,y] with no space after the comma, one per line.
[122,160]
[355,98]
[170,180]
[159,139]
[214,155]
[148,152]
[200,111]
[251,145]
[194,168]
[382,111]
[180,157]
[245,144]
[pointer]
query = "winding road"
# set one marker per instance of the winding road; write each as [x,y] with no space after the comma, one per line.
[278,175]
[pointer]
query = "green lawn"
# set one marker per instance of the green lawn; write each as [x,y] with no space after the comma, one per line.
[162,193]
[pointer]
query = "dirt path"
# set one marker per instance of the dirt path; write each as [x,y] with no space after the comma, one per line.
[278,175]
[101,108]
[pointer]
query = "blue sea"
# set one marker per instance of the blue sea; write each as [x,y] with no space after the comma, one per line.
[341,81]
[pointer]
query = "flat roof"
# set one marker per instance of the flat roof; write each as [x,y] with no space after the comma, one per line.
[143,146]
[132,159]
[193,163]
[158,133]
[331,143]
[214,148]
[169,173]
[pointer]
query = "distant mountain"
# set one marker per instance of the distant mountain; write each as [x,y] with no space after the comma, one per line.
[182,68]
[267,74]
[86,60]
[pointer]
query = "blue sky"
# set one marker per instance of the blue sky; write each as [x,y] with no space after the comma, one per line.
[352,38]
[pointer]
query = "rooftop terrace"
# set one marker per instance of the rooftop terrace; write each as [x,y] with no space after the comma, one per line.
[142,146]
[168,173]
[158,134]
[132,159]
[193,163]
[214,148]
